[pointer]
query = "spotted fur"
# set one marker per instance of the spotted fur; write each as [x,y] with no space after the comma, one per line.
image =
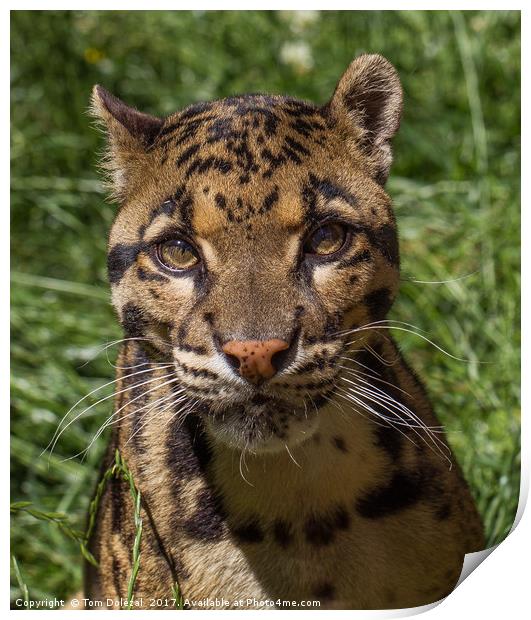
[283,490]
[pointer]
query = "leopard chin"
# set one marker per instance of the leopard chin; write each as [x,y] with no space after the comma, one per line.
[270,427]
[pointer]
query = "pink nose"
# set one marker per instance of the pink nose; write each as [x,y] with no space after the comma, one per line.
[255,357]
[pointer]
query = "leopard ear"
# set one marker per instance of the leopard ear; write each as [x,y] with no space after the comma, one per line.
[130,134]
[369,95]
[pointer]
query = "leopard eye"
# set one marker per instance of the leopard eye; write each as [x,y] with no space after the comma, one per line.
[177,255]
[326,240]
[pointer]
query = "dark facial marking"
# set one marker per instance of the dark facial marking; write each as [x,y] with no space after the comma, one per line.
[120,258]
[379,302]
[133,320]
[200,166]
[364,256]
[386,240]
[330,190]
[151,276]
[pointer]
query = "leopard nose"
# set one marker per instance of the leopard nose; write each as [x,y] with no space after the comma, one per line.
[255,359]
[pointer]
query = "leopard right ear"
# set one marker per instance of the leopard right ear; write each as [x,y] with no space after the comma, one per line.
[130,134]
[368,97]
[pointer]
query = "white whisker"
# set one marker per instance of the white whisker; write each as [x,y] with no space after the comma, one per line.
[291,456]
[87,396]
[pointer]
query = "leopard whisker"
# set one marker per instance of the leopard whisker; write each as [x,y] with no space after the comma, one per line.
[115,342]
[60,431]
[109,422]
[437,443]
[410,331]
[153,406]
[360,373]
[242,461]
[157,387]
[386,424]
[291,456]
[389,399]
[90,394]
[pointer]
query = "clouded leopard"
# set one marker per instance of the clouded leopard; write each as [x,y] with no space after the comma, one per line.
[283,448]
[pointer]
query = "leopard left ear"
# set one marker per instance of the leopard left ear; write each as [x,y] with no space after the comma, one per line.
[130,133]
[124,123]
[369,95]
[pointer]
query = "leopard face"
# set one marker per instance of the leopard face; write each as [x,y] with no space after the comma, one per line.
[253,233]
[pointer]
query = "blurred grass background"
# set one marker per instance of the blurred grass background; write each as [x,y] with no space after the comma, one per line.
[455,184]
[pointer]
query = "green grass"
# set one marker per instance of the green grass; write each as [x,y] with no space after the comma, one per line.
[455,184]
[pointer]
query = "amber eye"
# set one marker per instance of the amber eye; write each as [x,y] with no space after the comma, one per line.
[177,254]
[327,239]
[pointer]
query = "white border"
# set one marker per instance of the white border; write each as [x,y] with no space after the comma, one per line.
[498,587]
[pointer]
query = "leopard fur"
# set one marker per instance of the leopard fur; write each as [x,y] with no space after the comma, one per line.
[285,491]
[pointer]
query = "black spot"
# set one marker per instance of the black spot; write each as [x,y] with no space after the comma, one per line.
[249,532]
[187,449]
[166,208]
[199,350]
[142,230]
[259,399]
[297,146]
[330,190]
[282,533]
[299,311]
[274,161]
[386,240]
[290,154]
[200,166]
[379,302]
[117,575]
[120,258]
[321,529]
[339,443]
[390,440]
[269,201]
[444,511]
[117,502]
[324,591]
[302,127]
[221,201]
[184,202]
[188,154]
[208,520]
[404,490]
[195,109]
[133,321]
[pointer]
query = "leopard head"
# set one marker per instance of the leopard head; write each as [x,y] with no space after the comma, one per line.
[253,232]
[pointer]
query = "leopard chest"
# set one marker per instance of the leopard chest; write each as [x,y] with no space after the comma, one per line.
[296,525]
